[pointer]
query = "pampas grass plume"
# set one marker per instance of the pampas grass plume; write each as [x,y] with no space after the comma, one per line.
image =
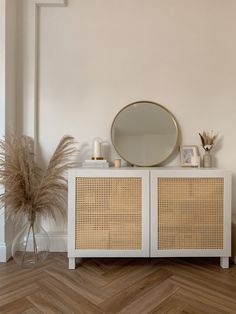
[30,191]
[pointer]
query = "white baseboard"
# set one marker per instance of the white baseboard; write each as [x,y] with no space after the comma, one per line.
[5,252]
[58,242]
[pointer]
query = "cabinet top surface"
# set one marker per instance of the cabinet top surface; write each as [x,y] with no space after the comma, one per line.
[170,168]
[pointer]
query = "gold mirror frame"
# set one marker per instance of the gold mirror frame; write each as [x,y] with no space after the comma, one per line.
[173,120]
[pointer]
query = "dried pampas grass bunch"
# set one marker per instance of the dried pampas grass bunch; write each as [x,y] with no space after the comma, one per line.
[30,191]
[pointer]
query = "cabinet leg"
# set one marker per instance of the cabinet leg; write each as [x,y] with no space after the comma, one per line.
[224,262]
[71,262]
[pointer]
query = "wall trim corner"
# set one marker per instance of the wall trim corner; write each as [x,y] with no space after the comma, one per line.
[5,252]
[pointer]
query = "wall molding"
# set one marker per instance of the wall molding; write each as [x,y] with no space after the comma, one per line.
[5,252]
[3,96]
[58,243]
[51,3]
[39,4]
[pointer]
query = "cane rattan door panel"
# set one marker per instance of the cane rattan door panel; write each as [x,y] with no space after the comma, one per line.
[108,213]
[190,213]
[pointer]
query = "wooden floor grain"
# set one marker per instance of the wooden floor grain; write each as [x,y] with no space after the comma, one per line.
[132,286]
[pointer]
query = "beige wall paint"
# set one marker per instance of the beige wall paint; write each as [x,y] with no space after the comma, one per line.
[96,56]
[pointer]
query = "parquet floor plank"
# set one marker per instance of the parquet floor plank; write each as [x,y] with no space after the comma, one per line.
[47,303]
[89,292]
[203,284]
[130,276]
[120,267]
[135,291]
[219,276]
[90,278]
[150,300]
[171,305]
[208,298]
[119,285]
[73,299]
[195,305]
[16,307]
[32,311]
[86,272]
[16,294]
[23,278]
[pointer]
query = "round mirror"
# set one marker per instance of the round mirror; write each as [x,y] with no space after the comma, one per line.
[144,133]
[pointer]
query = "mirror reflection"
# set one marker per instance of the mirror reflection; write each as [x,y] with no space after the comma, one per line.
[144,133]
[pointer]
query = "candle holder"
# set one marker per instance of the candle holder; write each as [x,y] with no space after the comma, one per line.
[117,163]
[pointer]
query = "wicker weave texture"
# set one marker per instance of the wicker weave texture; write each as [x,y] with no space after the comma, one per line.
[190,213]
[108,213]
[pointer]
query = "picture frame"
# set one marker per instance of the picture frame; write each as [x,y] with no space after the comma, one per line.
[186,152]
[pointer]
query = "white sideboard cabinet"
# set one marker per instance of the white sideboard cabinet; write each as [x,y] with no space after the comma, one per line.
[149,212]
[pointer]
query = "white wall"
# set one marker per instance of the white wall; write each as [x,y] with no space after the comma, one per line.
[96,56]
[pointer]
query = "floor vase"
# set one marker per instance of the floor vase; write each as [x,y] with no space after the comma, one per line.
[30,246]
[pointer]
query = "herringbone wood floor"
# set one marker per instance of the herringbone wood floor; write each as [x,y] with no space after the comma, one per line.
[133,286]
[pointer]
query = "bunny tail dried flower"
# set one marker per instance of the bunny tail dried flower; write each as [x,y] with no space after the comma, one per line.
[28,190]
[208,140]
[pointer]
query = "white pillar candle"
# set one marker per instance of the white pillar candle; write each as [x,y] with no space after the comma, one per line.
[97,147]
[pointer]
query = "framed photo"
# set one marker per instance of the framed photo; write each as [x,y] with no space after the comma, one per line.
[186,153]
